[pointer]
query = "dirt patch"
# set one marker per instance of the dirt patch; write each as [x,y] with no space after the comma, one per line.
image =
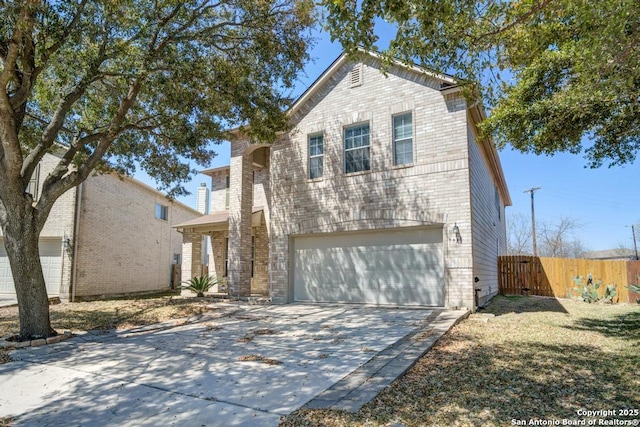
[251,335]
[258,358]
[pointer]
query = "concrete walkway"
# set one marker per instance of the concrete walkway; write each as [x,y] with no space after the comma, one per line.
[237,365]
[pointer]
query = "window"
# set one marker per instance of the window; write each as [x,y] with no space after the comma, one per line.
[227,183]
[316,154]
[356,149]
[32,188]
[177,258]
[162,212]
[402,139]
[226,257]
[497,201]
[253,253]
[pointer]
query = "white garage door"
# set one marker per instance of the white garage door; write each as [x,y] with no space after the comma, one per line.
[383,267]
[51,259]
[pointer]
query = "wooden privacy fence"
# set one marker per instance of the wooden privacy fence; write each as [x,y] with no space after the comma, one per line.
[553,277]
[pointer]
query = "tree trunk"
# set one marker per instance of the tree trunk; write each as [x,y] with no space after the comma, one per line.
[21,243]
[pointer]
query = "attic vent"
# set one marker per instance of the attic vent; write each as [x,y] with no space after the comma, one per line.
[356,76]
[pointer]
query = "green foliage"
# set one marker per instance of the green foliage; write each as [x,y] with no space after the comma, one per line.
[116,85]
[635,287]
[553,72]
[149,83]
[200,284]
[610,293]
[588,292]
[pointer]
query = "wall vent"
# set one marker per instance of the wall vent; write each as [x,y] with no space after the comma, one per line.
[356,76]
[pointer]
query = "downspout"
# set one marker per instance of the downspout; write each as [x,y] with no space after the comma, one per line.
[76,230]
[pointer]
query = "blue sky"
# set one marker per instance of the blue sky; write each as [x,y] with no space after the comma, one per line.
[604,201]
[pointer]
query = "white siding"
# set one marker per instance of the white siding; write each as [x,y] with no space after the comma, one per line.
[489,232]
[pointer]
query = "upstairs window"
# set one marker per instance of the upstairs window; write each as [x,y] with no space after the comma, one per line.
[316,155]
[402,139]
[497,201]
[227,184]
[357,156]
[162,212]
[32,188]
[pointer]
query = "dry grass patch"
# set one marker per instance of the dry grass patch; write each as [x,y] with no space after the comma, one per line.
[538,358]
[250,336]
[258,358]
[111,314]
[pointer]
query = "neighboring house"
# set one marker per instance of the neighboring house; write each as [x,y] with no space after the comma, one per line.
[611,254]
[110,236]
[382,193]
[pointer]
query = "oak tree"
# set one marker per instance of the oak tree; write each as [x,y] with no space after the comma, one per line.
[110,85]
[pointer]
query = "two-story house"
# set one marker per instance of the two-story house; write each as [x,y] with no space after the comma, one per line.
[110,236]
[382,193]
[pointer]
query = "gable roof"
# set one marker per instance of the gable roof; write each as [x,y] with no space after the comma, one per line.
[447,82]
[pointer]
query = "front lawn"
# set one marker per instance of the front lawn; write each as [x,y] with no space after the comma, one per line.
[538,358]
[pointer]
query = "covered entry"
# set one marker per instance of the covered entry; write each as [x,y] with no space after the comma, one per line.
[398,267]
[51,259]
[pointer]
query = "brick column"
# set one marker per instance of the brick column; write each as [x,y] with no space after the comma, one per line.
[191,255]
[240,206]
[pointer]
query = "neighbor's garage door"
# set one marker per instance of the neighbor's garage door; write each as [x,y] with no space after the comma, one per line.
[51,259]
[383,267]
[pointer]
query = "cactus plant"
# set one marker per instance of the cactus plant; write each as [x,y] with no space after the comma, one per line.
[587,292]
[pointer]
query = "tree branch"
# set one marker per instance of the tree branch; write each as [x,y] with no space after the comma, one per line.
[538,7]
[51,50]
[57,120]
[54,186]
[11,154]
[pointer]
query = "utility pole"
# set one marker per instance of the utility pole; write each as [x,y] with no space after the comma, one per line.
[533,219]
[635,245]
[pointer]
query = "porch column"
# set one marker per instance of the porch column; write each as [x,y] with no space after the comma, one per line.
[191,255]
[240,206]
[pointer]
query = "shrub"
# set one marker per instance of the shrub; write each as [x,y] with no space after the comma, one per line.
[635,287]
[589,292]
[200,284]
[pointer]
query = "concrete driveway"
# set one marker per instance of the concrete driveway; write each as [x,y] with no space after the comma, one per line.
[237,365]
[7,300]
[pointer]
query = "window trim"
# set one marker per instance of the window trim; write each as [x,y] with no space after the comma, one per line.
[315,156]
[394,140]
[345,149]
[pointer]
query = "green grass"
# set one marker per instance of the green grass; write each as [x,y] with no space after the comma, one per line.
[538,358]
